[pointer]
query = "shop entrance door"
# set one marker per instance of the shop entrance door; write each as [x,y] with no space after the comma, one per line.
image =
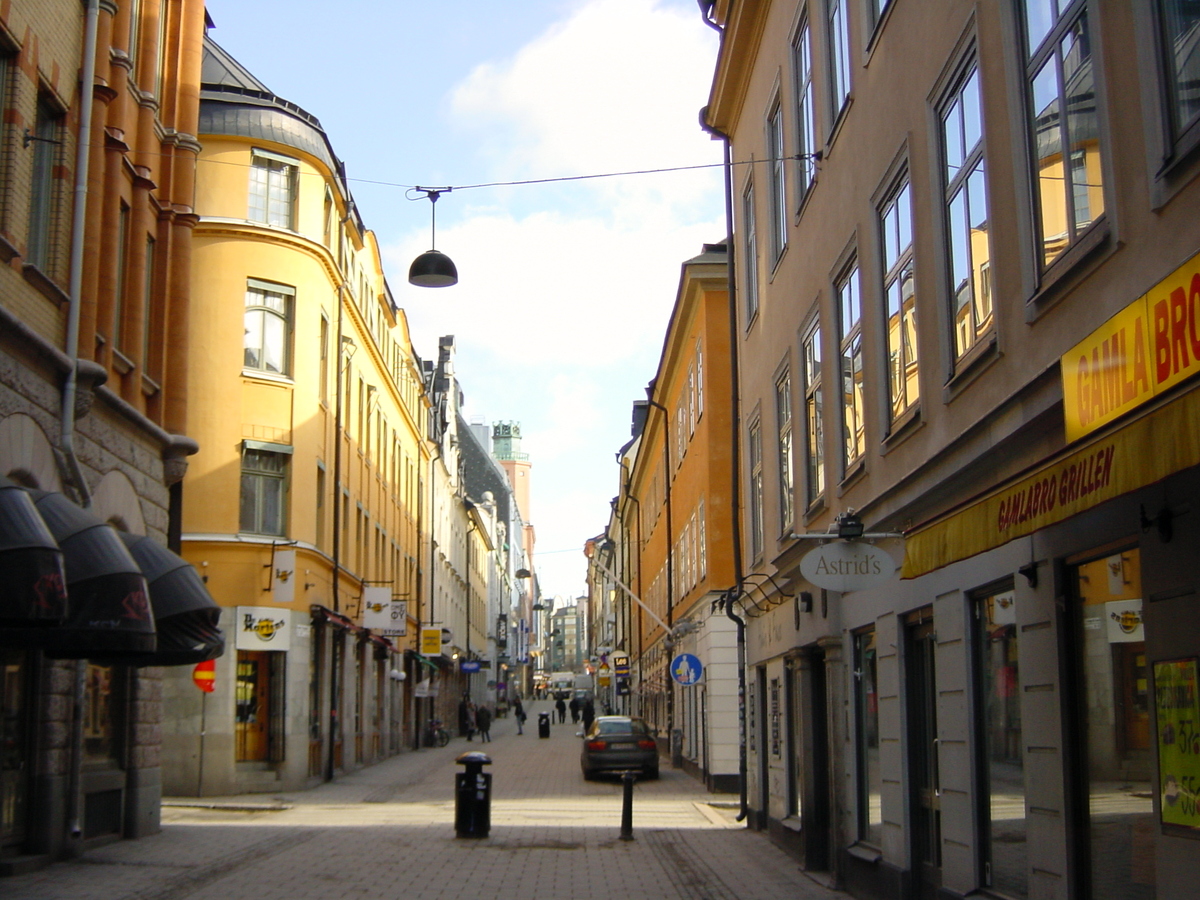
[253,710]
[925,787]
[815,748]
[13,740]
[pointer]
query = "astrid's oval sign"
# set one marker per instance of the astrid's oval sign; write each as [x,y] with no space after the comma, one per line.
[847,566]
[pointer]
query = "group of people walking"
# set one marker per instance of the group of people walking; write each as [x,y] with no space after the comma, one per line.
[477,719]
[580,709]
[474,719]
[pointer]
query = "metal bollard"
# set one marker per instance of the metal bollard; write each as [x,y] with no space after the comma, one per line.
[544,725]
[473,796]
[627,780]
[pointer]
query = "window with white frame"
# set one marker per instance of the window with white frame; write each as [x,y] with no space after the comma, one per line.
[868,771]
[264,488]
[1064,123]
[148,275]
[968,226]
[273,182]
[783,418]
[750,253]
[779,213]
[268,327]
[839,54]
[122,277]
[967,221]
[754,453]
[806,109]
[701,540]
[699,379]
[1180,36]
[899,293]
[850,342]
[813,415]
[45,194]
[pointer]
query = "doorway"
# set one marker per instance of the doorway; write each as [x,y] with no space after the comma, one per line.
[924,780]
[14,723]
[259,706]
[809,773]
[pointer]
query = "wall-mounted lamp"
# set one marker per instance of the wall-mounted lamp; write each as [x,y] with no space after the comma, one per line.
[432,268]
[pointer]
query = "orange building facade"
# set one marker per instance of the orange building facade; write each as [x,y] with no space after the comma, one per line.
[672,532]
[97,158]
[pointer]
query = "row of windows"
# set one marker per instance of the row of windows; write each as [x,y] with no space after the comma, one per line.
[1067,161]
[263,510]
[274,194]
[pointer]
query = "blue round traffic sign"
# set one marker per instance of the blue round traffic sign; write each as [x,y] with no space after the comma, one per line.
[686,669]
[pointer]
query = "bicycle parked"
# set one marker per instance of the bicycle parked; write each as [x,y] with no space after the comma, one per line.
[436,734]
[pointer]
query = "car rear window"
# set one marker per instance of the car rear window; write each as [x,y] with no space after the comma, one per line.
[622,726]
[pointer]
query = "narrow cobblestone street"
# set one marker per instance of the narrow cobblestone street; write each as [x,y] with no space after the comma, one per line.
[388,831]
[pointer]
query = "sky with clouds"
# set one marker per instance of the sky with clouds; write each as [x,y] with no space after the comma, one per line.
[565,287]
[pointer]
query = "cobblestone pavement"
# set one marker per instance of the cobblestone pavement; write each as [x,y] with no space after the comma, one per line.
[387,831]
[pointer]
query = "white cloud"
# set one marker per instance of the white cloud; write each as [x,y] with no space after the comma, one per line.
[565,289]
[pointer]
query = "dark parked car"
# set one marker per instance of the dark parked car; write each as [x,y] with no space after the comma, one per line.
[619,743]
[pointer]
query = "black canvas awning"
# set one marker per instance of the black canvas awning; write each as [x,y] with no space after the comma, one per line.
[108,602]
[31,568]
[185,614]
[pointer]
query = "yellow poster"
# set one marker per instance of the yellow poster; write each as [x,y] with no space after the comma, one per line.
[1178,706]
[431,642]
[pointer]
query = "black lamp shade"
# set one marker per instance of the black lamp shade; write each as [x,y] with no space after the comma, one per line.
[432,269]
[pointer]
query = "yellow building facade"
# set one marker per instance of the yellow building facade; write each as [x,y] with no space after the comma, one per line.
[676,515]
[304,507]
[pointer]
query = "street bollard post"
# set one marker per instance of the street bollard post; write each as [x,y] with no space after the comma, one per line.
[473,796]
[543,724]
[627,779]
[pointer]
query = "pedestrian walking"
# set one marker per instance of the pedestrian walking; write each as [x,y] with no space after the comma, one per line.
[589,714]
[574,707]
[463,705]
[471,713]
[562,710]
[519,715]
[483,720]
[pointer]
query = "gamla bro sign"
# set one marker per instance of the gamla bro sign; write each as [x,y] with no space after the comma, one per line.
[847,566]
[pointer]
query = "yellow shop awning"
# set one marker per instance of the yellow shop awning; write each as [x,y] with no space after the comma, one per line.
[1153,446]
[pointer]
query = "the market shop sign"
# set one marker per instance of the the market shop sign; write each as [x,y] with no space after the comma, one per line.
[1148,347]
[1065,484]
[1153,446]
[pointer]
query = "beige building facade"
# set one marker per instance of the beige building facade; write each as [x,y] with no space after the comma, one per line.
[964,256]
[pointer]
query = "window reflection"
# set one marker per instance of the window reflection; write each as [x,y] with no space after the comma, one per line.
[1005,851]
[1116,727]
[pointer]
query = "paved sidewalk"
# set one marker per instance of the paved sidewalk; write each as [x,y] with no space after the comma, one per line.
[387,832]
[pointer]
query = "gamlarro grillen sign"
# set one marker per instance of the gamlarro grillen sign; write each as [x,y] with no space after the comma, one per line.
[847,566]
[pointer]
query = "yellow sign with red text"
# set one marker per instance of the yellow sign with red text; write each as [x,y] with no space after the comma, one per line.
[1148,347]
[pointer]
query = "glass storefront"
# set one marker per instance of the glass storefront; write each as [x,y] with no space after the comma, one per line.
[1115,726]
[1002,770]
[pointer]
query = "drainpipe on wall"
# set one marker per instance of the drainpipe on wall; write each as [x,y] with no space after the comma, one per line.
[87,79]
[735,442]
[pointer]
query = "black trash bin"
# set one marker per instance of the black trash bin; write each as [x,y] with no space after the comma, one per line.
[544,725]
[473,796]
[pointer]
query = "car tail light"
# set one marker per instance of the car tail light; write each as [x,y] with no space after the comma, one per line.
[647,744]
[597,745]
